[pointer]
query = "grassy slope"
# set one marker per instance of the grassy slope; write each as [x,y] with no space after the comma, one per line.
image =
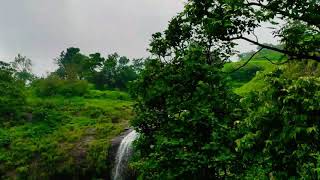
[250,77]
[257,81]
[64,137]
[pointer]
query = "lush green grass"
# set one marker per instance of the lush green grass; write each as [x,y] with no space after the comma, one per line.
[250,76]
[64,137]
[256,84]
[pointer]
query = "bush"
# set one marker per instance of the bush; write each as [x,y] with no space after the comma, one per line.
[281,131]
[12,99]
[115,95]
[53,86]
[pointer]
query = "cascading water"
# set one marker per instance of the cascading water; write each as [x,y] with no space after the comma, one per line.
[123,155]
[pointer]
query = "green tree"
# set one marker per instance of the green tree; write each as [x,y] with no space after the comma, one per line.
[71,64]
[106,77]
[125,73]
[92,65]
[185,115]
[113,72]
[116,73]
[23,68]
[189,123]
[138,65]
[12,99]
[217,24]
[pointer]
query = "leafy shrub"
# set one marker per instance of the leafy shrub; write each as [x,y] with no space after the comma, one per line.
[53,86]
[12,99]
[4,138]
[115,95]
[281,131]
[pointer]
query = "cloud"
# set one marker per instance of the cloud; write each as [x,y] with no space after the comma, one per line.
[41,29]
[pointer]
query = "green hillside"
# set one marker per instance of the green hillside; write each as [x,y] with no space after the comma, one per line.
[248,72]
[250,77]
[64,137]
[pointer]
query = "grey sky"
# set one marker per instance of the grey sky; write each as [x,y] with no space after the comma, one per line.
[41,29]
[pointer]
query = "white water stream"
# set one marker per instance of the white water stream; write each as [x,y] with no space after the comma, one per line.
[123,155]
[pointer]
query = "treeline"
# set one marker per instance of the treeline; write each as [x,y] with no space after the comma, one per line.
[76,75]
[112,72]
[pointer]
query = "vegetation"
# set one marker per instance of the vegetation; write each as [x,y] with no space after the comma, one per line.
[53,86]
[56,128]
[193,125]
[12,97]
[23,68]
[258,64]
[250,77]
[63,137]
[198,115]
[171,113]
[281,129]
[113,72]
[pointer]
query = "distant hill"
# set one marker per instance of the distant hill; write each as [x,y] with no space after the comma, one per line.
[258,65]
[251,77]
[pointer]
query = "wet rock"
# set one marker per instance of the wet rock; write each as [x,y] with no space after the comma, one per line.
[112,153]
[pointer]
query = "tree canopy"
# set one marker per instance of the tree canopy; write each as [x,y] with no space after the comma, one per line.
[193,126]
[216,24]
[112,72]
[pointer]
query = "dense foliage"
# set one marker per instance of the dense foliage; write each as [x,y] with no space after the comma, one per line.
[53,86]
[193,126]
[199,116]
[184,108]
[113,72]
[12,99]
[282,129]
[63,138]
[54,127]
[217,24]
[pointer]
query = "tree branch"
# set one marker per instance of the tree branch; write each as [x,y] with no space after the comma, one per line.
[306,18]
[302,56]
[278,60]
[253,55]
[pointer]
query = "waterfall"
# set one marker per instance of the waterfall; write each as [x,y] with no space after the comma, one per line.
[123,155]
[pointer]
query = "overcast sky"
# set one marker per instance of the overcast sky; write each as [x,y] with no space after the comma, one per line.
[41,29]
